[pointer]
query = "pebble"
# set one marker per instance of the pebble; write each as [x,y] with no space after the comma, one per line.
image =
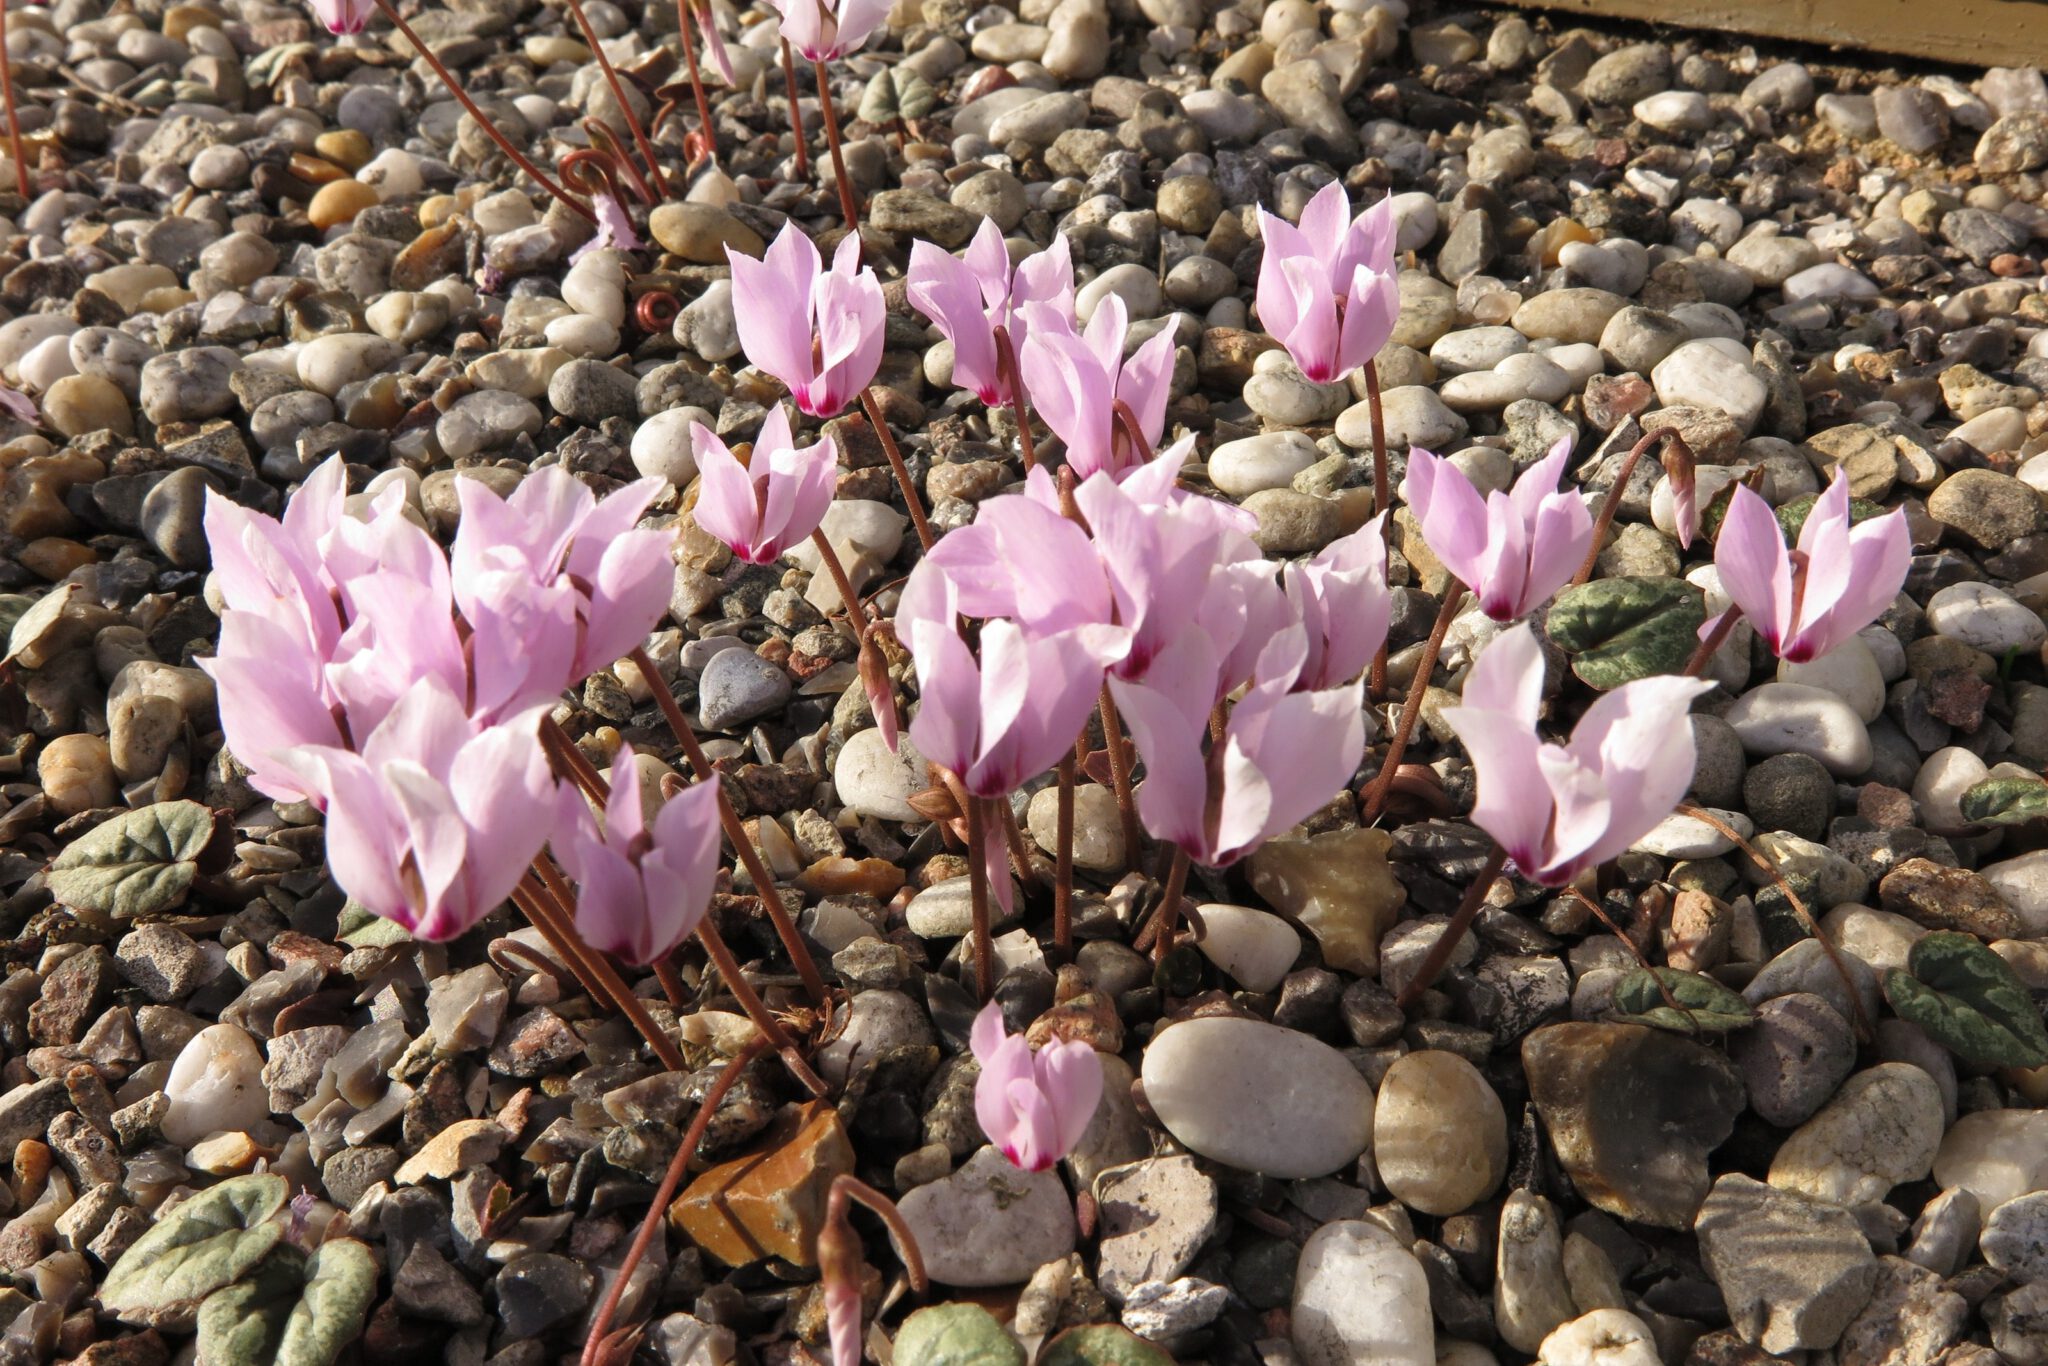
[1789,718]
[1360,1299]
[989,1223]
[77,774]
[215,1086]
[1256,948]
[1794,1271]
[2022,884]
[1881,1129]
[1981,616]
[1715,375]
[1849,671]
[871,781]
[1155,1217]
[1793,1058]
[1256,1096]
[1098,834]
[1439,1134]
[1413,415]
[1605,1337]
[1995,1155]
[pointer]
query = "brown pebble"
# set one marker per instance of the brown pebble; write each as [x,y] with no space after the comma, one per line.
[53,557]
[339,202]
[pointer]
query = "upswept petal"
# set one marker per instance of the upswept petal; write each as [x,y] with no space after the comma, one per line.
[1508,805]
[1325,221]
[1173,799]
[1145,384]
[726,502]
[1756,572]
[1070,1075]
[1452,514]
[1372,306]
[1581,810]
[1278,302]
[1560,536]
[1508,677]
[1538,484]
[1369,243]
[857,20]
[1880,553]
[772,298]
[949,292]
[1312,340]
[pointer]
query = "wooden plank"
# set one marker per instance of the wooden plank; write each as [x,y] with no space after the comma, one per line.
[1969,32]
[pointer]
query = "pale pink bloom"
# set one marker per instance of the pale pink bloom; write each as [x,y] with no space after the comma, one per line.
[1560,810]
[563,538]
[1007,718]
[818,331]
[1162,556]
[776,499]
[1283,754]
[1034,1106]
[273,698]
[1839,579]
[714,45]
[1342,600]
[642,889]
[968,299]
[1075,380]
[825,32]
[614,228]
[1513,550]
[344,16]
[19,406]
[435,820]
[1327,289]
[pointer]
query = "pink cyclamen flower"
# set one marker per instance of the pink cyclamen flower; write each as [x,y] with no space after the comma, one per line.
[1007,718]
[1077,378]
[564,542]
[1034,1106]
[1327,289]
[1560,810]
[19,406]
[969,298]
[818,331]
[344,16]
[434,821]
[1837,581]
[1284,753]
[643,888]
[1513,550]
[776,499]
[825,32]
[1342,599]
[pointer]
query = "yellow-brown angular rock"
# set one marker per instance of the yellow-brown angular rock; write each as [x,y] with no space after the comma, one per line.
[1338,885]
[771,1202]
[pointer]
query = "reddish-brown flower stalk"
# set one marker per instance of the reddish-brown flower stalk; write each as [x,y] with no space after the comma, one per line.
[873,669]
[750,858]
[1382,500]
[977,891]
[13,124]
[796,114]
[869,405]
[1446,944]
[686,18]
[1170,904]
[491,129]
[849,207]
[1006,357]
[1678,464]
[1411,709]
[618,89]
[600,1327]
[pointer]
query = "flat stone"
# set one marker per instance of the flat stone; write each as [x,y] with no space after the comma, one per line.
[770,1202]
[1155,1216]
[1339,887]
[1788,718]
[990,1223]
[1882,1128]
[1633,1113]
[1256,1096]
[1794,1271]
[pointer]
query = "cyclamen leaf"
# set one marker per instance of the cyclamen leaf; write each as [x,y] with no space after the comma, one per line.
[140,862]
[1792,515]
[956,1335]
[1619,630]
[1101,1344]
[1715,1009]
[240,1324]
[211,1240]
[1965,998]
[341,1280]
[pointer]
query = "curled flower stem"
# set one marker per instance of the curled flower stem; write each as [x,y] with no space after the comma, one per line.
[518,157]
[1411,709]
[1864,1029]
[1063,862]
[977,892]
[1610,502]
[21,180]
[1006,357]
[1382,497]
[846,1187]
[611,77]
[593,1346]
[873,409]
[1169,904]
[1439,955]
[1119,773]
[849,207]
[685,19]
[1703,654]
[796,117]
[750,857]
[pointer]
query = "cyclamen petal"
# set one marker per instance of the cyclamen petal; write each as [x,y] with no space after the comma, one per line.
[1326,289]
[1844,577]
[1035,1108]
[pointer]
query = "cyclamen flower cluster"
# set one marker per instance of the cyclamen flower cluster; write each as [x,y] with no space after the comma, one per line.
[399,688]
